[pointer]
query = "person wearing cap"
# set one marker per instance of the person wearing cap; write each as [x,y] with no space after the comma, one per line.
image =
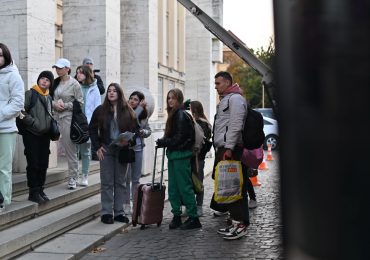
[66,89]
[11,103]
[89,62]
[36,138]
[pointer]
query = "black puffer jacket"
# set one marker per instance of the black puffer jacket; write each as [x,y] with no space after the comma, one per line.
[182,137]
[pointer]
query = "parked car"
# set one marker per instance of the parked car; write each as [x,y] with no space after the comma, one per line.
[270,128]
[266,112]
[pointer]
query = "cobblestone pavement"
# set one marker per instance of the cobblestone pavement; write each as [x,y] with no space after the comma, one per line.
[263,240]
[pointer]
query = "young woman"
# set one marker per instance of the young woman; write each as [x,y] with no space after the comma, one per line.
[179,139]
[36,138]
[138,104]
[110,119]
[92,100]
[197,111]
[11,103]
[66,89]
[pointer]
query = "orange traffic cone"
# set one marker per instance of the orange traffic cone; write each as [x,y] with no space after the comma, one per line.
[269,153]
[255,181]
[263,166]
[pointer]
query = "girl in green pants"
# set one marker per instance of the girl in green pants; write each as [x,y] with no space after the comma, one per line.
[179,139]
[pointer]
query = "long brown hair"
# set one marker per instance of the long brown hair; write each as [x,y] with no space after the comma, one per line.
[197,110]
[125,115]
[177,93]
[86,70]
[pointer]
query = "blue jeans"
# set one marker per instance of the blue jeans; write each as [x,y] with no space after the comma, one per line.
[85,152]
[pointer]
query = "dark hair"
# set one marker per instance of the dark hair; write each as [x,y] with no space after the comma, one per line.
[141,96]
[6,54]
[171,111]
[226,75]
[124,111]
[86,70]
[197,110]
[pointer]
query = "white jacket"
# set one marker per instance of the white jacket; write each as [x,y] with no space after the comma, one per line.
[92,100]
[229,121]
[11,98]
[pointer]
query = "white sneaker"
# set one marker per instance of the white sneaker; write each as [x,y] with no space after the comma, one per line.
[2,208]
[252,204]
[127,209]
[237,232]
[72,184]
[219,214]
[83,181]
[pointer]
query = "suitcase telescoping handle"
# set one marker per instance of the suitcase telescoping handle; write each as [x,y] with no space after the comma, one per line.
[162,167]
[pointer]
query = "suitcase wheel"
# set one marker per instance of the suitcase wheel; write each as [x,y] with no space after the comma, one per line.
[142,227]
[159,223]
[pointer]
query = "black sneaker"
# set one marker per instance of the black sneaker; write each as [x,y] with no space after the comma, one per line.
[191,223]
[121,218]
[43,195]
[107,219]
[175,223]
[238,232]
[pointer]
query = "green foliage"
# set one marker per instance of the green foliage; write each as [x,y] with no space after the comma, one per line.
[248,79]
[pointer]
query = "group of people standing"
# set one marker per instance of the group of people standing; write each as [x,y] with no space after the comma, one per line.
[107,121]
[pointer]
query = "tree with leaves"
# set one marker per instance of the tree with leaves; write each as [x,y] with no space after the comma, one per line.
[248,79]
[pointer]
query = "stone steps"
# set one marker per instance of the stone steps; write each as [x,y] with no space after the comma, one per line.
[29,234]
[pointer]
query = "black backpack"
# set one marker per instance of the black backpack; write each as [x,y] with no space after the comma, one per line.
[79,126]
[253,135]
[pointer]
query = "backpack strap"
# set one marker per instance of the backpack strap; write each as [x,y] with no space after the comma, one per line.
[33,100]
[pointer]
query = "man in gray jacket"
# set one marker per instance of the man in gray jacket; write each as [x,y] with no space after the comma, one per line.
[228,144]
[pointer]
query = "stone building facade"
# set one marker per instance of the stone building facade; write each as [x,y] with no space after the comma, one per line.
[150,45]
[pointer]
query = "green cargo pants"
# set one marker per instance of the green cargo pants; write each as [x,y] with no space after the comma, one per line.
[180,186]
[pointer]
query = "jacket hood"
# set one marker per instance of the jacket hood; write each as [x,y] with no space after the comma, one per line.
[233,89]
[9,68]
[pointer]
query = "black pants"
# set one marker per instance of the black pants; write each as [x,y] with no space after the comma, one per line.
[36,149]
[238,210]
[250,189]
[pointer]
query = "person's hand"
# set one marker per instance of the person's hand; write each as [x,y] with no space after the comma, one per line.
[59,105]
[160,143]
[228,154]
[143,103]
[100,153]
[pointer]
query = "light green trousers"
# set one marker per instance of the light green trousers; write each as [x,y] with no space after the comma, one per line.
[7,148]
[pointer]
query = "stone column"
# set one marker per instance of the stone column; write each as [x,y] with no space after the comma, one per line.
[27,28]
[92,29]
[203,51]
[139,58]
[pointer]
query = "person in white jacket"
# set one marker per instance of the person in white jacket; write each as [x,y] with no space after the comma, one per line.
[11,103]
[92,100]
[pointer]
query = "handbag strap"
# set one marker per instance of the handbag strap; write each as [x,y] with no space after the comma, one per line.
[46,109]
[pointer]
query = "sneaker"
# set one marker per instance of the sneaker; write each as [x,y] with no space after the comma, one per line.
[199,211]
[227,230]
[43,195]
[238,232]
[176,222]
[191,223]
[83,181]
[219,214]
[252,204]
[2,208]
[122,218]
[72,184]
[107,219]
[127,209]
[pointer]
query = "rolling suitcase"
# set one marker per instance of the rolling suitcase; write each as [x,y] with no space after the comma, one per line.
[149,199]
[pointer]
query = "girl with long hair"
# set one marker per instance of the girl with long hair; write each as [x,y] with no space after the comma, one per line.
[197,112]
[179,138]
[108,121]
[138,104]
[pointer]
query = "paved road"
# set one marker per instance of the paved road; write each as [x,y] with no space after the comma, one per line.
[262,242]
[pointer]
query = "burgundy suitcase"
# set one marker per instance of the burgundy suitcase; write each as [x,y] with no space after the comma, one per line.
[149,198]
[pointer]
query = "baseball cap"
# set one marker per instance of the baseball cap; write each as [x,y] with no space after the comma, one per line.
[62,63]
[87,61]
